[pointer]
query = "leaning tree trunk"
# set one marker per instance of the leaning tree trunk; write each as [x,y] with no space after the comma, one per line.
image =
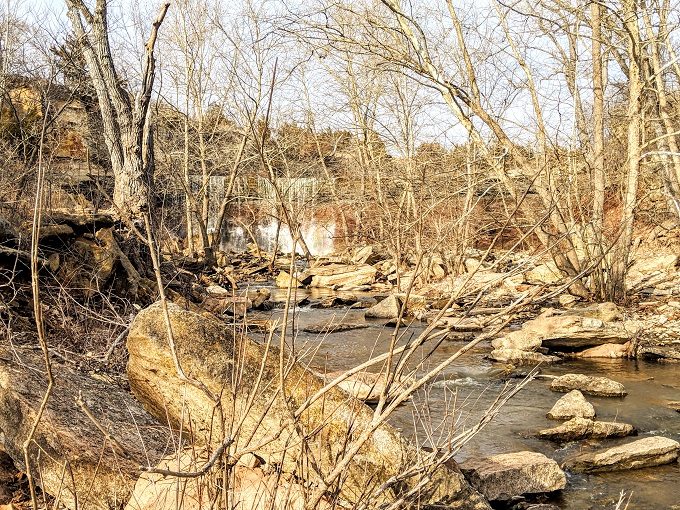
[125,116]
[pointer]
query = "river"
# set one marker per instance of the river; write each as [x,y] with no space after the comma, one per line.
[473,383]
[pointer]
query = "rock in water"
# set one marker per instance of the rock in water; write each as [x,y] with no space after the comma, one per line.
[341,276]
[236,368]
[521,357]
[591,385]
[582,428]
[606,351]
[572,405]
[577,330]
[368,386]
[650,451]
[502,477]
[103,473]
[388,308]
[285,280]
[331,327]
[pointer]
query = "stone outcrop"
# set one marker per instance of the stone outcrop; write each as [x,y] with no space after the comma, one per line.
[647,452]
[583,428]
[575,331]
[661,353]
[102,471]
[502,477]
[572,405]
[236,368]
[591,385]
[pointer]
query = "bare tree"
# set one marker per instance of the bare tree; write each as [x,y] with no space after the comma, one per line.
[127,125]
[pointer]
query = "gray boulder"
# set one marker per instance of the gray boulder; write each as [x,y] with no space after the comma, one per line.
[591,385]
[103,465]
[647,452]
[502,477]
[583,428]
[572,405]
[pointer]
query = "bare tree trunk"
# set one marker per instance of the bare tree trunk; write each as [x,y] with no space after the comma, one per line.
[125,117]
[634,117]
[598,173]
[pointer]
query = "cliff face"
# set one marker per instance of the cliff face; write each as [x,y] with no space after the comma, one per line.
[74,139]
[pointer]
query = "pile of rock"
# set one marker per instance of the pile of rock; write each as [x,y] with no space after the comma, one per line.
[580,424]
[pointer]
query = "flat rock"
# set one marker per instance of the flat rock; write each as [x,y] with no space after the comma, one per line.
[647,452]
[591,385]
[102,472]
[333,327]
[246,376]
[463,324]
[674,405]
[582,428]
[577,330]
[341,275]
[502,477]
[572,405]
[521,357]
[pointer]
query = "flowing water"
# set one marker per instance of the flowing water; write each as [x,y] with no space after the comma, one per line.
[468,387]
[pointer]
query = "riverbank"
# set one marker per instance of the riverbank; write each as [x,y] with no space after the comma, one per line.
[513,310]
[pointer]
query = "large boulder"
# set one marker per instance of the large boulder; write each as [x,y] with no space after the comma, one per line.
[572,405]
[388,308]
[254,394]
[583,428]
[502,477]
[102,464]
[589,384]
[647,452]
[572,332]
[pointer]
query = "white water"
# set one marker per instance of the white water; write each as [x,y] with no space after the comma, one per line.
[318,235]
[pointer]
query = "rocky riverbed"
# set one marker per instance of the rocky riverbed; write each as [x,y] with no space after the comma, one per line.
[465,390]
[617,364]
